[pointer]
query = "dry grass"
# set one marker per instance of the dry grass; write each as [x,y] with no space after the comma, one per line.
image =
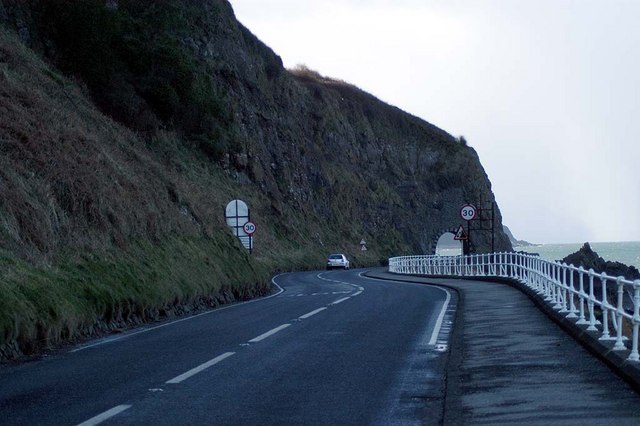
[305,73]
[93,225]
[102,229]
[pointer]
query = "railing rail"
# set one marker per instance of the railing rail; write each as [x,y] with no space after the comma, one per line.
[607,305]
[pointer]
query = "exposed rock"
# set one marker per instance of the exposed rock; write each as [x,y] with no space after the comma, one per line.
[515,242]
[308,141]
[589,259]
[103,108]
[111,4]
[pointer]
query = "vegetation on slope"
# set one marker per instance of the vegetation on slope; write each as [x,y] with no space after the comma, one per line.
[101,229]
[96,232]
[119,153]
[132,60]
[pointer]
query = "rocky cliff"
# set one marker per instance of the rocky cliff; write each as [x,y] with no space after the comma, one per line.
[589,259]
[514,241]
[126,126]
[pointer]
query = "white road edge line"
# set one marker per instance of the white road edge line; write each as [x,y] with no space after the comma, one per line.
[340,300]
[269,333]
[436,329]
[312,313]
[105,416]
[146,330]
[199,368]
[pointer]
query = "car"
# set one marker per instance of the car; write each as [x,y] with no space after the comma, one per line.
[337,260]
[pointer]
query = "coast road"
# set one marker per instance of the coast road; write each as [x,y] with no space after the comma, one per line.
[328,348]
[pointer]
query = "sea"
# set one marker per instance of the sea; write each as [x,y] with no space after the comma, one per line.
[627,252]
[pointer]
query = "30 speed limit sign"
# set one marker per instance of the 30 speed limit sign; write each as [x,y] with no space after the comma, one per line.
[468,212]
[249,228]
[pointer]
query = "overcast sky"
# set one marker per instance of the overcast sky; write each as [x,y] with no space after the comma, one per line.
[546,91]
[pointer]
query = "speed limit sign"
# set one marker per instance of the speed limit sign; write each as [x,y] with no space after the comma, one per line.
[468,212]
[249,228]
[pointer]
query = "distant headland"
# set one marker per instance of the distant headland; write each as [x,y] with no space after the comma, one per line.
[515,242]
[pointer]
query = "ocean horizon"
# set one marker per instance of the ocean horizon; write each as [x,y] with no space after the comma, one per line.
[627,252]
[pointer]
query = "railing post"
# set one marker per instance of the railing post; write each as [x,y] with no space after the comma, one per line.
[466,266]
[619,346]
[538,265]
[591,304]
[494,265]
[583,295]
[546,267]
[534,273]
[605,309]
[562,271]
[523,269]
[634,355]
[572,290]
[555,281]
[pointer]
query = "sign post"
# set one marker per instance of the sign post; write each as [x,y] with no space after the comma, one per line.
[468,212]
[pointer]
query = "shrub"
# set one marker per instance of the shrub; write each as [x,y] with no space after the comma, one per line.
[132,61]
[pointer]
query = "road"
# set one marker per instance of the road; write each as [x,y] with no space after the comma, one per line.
[329,348]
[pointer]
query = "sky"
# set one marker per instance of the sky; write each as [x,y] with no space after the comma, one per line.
[546,91]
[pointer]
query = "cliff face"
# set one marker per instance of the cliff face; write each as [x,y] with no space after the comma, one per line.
[126,126]
[325,148]
[318,149]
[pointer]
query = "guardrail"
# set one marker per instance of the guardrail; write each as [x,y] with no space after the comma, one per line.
[599,301]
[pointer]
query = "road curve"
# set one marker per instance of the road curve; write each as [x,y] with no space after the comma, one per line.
[329,348]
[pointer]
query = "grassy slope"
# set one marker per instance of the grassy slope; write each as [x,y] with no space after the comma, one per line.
[107,222]
[100,229]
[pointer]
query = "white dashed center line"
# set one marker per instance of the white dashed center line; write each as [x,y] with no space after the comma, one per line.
[178,379]
[312,313]
[105,416]
[200,368]
[269,333]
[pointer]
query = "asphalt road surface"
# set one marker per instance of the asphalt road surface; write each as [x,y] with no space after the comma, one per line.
[329,348]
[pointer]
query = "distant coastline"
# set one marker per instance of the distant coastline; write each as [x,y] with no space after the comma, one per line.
[514,241]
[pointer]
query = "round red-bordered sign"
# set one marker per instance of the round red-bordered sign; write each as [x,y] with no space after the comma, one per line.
[468,212]
[249,228]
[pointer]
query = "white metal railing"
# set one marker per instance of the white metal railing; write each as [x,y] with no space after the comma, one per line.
[605,304]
